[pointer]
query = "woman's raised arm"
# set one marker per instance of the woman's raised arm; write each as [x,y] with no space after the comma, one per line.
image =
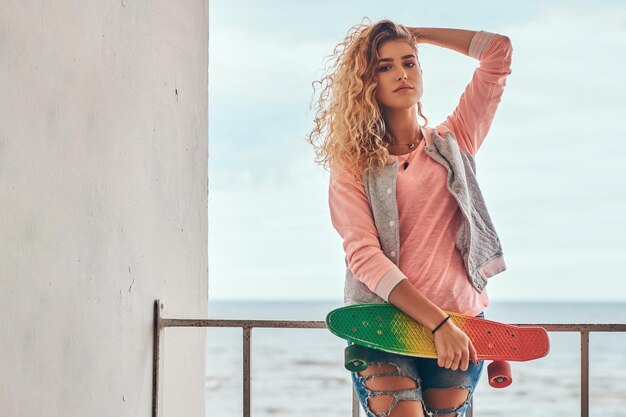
[471,119]
[456,39]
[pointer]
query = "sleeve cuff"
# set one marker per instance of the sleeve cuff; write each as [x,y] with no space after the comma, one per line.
[478,43]
[388,282]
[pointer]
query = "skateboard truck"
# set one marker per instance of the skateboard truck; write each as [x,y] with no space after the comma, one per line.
[356,358]
[499,373]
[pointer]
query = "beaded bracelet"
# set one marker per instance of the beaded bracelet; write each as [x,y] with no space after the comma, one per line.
[440,324]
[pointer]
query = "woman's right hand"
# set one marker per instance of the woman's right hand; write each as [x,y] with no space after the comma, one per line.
[454,347]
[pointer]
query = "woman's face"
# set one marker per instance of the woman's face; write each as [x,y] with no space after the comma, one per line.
[397,67]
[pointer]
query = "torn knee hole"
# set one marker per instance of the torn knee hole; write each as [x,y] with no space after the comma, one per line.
[386,377]
[392,406]
[381,403]
[390,383]
[446,399]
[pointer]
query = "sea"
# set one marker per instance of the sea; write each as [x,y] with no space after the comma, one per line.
[299,372]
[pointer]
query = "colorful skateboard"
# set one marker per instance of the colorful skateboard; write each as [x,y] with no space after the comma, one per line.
[385,327]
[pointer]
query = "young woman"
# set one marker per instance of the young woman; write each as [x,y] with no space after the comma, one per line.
[405,200]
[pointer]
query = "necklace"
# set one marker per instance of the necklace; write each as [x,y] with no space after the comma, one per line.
[405,165]
[412,146]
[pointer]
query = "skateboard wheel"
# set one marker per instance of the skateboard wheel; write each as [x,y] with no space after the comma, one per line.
[499,374]
[356,358]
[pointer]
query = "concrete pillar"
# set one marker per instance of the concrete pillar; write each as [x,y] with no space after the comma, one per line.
[103,204]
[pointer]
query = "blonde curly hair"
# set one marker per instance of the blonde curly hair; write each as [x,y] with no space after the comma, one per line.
[350,132]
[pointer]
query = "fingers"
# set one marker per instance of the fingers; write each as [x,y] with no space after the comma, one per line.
[445,358]
[441,360]
[458,358]
[453,360]
[473,354]
[464,361]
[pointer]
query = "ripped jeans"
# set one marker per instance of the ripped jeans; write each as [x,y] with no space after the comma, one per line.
[424,374]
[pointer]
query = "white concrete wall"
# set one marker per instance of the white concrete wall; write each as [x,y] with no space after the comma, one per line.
[103,204]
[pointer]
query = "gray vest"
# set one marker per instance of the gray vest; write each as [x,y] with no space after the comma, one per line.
[476,238]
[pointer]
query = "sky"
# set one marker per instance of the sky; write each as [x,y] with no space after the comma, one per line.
[551,169]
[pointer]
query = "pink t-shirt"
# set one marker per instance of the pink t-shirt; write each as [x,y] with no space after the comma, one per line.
[429,215]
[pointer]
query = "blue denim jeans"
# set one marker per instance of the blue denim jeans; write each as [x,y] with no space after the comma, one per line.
[426,373]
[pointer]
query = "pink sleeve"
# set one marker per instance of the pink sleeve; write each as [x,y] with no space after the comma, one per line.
[471,119]
[351,216]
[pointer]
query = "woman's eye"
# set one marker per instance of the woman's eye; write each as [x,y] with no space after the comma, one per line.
[386,67]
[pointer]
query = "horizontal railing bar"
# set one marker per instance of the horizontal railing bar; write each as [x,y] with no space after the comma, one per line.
[286,324]
[295,324]
[578,327]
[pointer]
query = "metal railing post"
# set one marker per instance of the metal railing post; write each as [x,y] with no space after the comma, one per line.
[246,370]
[355,404]
[584,373]
[156,343]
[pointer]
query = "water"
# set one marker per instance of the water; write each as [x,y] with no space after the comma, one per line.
[300,372]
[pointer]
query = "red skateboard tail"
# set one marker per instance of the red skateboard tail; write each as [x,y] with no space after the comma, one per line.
[499,341]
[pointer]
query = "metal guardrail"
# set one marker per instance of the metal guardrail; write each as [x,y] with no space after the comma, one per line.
[247,325]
